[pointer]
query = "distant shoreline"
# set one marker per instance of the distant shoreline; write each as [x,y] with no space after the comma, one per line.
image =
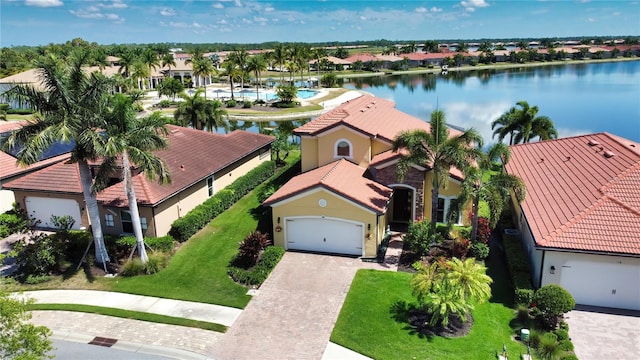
[479,67]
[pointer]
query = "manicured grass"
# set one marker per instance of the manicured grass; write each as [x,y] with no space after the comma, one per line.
[127,314]
[372,322]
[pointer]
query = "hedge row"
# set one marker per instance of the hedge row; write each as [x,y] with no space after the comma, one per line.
[518,265]
[185,227]
[259,273]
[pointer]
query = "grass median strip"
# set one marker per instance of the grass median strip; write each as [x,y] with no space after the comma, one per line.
[136,315]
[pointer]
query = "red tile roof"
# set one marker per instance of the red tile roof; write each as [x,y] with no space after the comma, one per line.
[583,192]
[192,156]
[375,117]
[342,178]
[364,57]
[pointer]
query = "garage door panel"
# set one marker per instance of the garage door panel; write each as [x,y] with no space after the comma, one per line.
[42,208]
[324,235]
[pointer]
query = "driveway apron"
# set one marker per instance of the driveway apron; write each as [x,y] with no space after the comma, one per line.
[294,312]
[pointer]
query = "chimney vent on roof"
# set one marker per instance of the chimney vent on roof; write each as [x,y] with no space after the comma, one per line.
[181,167]
[609,154]
[593,142]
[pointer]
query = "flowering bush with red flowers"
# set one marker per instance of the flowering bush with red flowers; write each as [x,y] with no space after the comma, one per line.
[484,230]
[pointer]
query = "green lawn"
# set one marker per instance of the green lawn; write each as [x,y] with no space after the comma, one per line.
[368,325]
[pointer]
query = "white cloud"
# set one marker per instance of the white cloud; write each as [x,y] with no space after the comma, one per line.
[43,3]
[179,25]
[196,25]
[116,4]
[167,12]
[471,5]
[218,6]
[435,9]
[269,8]
[363,18]
[421,9]
[564,132]
[477,116]
[591,20]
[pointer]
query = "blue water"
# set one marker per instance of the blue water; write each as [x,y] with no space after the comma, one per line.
[583,98]
[250,94]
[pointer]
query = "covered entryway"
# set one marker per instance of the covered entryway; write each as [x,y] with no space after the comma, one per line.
[403,204]
[323,234]
[602,283]
[42,208]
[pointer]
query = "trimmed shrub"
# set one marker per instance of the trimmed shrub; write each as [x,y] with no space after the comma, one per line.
[562,334]
[163,243]
[569,357]
[11,222]
[565,345]
[524,296]
[231,103]
[418,237]
[247,104]
[479,250]
[554,299]
[164,104]
[256,275]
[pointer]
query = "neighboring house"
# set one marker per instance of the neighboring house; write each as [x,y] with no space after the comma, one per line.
[200,163]
[9,168]
[348,192]
[580,221]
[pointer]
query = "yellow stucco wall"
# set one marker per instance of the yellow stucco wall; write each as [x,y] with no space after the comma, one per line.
[336,207]
[230,174]
[309,151]
[378,147]
[361,147]
[452,189]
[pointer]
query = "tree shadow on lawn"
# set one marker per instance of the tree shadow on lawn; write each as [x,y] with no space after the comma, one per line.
[263,215]
[417,322]
[496,263]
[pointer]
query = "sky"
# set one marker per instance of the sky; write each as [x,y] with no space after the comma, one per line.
[40,22]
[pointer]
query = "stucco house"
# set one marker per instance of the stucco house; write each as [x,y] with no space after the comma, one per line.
[200,163]
[10,170]
[348,192]
[580,221]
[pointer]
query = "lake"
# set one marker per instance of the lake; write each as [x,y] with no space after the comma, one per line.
[580,98]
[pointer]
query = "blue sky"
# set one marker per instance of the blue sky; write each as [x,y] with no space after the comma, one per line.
[40,22]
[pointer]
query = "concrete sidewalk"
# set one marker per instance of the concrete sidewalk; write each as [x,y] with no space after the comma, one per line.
[177,308]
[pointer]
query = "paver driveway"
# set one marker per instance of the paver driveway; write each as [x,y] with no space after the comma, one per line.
[295,310]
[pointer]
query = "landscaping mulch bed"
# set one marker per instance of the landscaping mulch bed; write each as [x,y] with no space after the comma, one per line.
[419,320]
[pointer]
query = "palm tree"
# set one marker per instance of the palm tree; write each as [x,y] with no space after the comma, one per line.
[240,58]
[257,64]
[140,71]
[193,111]
[167,60]
[69,108]
[152,61]
[495,190]
[469,278]
[462,47]
[529,125]
[202,68]
[127,58]
[543,128]
[279,55]
[437,150]
[319,54]
[505,125]
[133,141]
[216,116]
[232,71]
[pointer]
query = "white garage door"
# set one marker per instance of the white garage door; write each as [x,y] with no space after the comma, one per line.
[324,235]
[605,284]
[41,208]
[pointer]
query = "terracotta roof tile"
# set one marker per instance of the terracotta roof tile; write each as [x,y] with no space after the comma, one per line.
[582,192]
[192,156]
[342,178]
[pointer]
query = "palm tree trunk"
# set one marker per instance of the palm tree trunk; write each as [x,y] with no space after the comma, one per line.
[133,208]
[474,225]
[91,203]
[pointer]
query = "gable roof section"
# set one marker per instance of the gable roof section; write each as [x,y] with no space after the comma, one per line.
[376,117]
[582,192]
[192,156]
[342,178]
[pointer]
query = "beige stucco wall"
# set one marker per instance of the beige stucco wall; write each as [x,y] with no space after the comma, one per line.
[230,174]
[336,207]
[378,147]
[6,200]
[20,197]
[116,229]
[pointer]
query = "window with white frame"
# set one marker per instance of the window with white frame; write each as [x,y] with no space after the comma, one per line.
[109,221]
[210,186]
[343,149]
[444,203]
[143,223]
[127,223]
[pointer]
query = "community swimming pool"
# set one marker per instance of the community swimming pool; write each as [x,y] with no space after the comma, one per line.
[249,94]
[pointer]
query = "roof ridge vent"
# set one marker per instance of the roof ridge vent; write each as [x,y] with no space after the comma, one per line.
[609,154]
[593,142]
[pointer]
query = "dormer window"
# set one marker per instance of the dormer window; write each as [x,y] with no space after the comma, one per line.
[343,149]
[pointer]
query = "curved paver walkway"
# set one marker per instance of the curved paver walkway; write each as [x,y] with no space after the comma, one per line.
[177,308]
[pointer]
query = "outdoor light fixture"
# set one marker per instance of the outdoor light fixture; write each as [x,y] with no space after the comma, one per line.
[552,269]
[369,227]
[278,227]
[278,219]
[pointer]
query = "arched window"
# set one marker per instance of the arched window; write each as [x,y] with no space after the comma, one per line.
[343,148]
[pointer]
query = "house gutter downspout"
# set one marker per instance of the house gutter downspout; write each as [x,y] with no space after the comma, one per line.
[541,269]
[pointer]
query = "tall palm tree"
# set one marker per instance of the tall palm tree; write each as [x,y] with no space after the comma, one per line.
[202,68]
[279,55]
[140,71]
[505,125]
[132,140]
[529,125]
[168,60]
[152,61]
[241,59]
[257,64]
[192,111]
[543,128]
[126,60]
[495,190]
[232,71]
[216,116]
[437,150]
[69,108]
[319,54]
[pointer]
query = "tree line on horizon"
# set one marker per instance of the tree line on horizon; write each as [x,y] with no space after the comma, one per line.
[16,59]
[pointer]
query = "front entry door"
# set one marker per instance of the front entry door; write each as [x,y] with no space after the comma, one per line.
[402,204]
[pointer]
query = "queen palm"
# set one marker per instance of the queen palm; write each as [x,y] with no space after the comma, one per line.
[505,125]
[241,59]
[257,64]
[202,68]
[69,107]
[216,117]
[167,60]
[279,55]
[495,190]
[126,60]
[232,71]
[528,124]
[132,140]
[193,111]
[438,150]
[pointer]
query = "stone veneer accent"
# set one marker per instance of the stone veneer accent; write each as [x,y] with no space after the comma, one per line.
[414,178]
